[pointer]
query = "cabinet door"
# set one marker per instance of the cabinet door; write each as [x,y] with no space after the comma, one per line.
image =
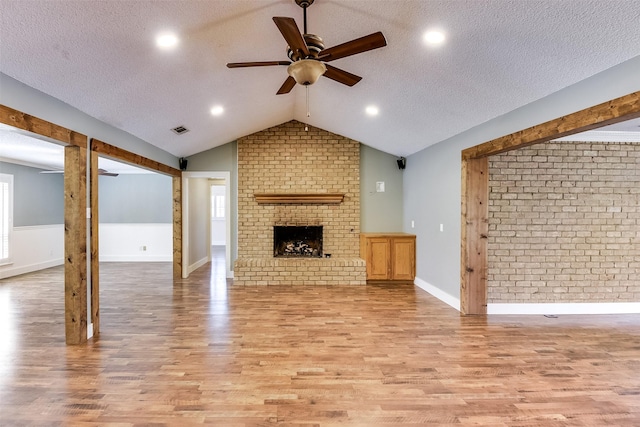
[378,258]
[404,259]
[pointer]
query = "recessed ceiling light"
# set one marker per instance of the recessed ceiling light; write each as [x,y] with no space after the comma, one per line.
[434,37]
[217,110]
[166,41]
[372,110]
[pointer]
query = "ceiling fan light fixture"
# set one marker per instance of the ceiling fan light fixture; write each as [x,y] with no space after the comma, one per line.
[306,71]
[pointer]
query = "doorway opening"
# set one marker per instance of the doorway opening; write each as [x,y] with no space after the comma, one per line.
[206,221]
[218,226]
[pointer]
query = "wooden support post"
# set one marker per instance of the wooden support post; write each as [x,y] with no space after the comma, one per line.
[475,229]
[177,227]
[95,244]
[75,244]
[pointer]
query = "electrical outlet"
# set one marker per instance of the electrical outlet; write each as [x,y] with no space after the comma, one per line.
[143,248]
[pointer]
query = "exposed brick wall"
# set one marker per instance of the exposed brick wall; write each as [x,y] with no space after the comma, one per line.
[288,159]
[564,223]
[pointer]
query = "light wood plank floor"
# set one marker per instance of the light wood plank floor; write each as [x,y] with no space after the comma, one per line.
[200,351]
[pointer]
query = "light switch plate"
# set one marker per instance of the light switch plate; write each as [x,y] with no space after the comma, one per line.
[380,187]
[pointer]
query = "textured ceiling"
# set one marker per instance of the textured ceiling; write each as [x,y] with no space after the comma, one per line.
[100,57]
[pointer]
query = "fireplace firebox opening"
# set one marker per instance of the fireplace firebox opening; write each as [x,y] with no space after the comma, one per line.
[297,241]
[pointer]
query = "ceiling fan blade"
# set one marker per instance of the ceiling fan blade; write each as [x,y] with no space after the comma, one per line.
[286,86]
[363,44]
[341,76]
[103,172]
[256,64]
[292,34]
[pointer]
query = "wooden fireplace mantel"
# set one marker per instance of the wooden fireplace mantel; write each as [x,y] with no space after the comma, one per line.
[299,198]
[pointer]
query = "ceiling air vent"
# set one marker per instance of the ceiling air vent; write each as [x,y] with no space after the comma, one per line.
[180,130]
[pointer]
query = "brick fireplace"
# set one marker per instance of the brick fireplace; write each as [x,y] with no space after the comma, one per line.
[291,177]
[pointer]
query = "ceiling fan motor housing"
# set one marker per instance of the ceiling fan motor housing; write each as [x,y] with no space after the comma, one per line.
[304,3]
[315,45]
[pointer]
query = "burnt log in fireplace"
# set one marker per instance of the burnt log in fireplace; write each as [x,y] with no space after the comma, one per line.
[297,241]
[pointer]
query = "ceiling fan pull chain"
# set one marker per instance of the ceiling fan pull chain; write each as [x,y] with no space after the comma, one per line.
[308,112]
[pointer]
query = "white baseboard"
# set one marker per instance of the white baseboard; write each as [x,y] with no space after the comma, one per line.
[230,274]
[196,265]
[8,271]
[537,309]
[438,293]
[566,308]
[135,258]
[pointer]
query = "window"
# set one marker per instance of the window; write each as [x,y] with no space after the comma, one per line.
[6,216]
[217,206]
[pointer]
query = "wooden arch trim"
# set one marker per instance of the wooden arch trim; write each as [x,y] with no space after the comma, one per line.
[475,186]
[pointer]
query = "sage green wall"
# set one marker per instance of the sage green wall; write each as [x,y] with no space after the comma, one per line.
[38,199]
[380,212]
[136,198]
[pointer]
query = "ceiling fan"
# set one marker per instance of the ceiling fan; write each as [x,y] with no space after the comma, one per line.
[309,57]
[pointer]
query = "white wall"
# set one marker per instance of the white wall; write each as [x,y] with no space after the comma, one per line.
[218,232]
[34,248]
[127,242]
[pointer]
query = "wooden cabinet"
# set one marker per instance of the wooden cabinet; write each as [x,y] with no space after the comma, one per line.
[389,256]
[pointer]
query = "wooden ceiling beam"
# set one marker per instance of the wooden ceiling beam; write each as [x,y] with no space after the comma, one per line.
[121,154]
[23,121]
[617,110]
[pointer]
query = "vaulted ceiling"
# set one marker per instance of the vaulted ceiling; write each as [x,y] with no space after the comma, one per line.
[101,57]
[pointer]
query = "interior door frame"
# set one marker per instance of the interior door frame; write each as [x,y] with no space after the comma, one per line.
[226,175]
